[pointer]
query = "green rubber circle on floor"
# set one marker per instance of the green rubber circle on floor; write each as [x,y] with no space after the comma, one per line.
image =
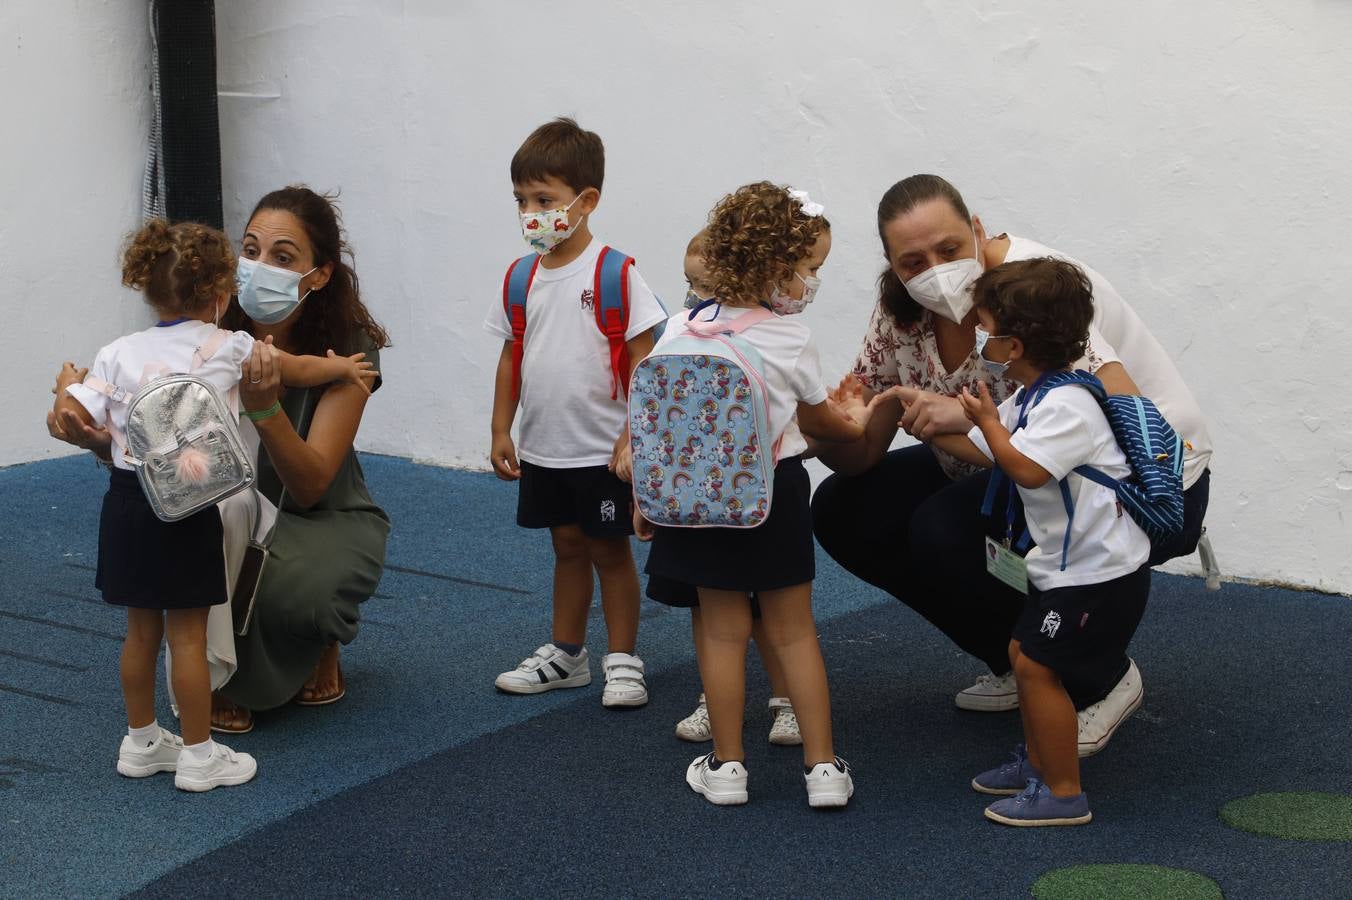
[1124,880]
[1292,816]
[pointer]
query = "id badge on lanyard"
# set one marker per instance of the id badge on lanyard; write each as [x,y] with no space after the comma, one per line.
[1003,563]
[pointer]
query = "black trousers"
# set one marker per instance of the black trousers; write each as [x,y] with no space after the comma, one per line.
[905,527]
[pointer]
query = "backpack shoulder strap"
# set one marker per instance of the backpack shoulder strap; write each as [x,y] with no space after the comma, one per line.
[515,287]
[202,354]
[611,302]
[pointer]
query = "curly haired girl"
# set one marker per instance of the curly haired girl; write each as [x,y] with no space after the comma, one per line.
[764,248]
[168,575]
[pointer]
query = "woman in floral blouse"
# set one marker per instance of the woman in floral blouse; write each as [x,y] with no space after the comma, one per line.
[909,520]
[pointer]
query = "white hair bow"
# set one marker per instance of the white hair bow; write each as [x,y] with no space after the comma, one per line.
[810,207]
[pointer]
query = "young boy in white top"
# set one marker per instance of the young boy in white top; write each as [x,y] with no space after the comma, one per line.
[1086,595]
[571,383]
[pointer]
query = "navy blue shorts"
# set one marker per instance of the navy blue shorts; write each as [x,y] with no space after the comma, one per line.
[1082,632]
[592,497]
[777,553]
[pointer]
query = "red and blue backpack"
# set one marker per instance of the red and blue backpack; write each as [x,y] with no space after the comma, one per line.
[610,299]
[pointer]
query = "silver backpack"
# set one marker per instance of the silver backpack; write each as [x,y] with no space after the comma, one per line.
[181,438]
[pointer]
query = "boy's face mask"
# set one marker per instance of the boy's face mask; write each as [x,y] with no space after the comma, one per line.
[998,369]
[547,229]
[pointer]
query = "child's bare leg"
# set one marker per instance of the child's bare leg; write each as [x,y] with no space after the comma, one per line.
[791,632]
[614,561]
[140,657]
[726,622]
[572,584]
[187,632]
[697,635]
[774,672]
[1049,726]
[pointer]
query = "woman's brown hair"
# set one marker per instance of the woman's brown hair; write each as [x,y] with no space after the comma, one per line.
[180,268]
[756,235]
[332,317]
[900,199]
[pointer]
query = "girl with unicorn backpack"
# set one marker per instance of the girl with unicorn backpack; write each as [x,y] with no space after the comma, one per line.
[729,513]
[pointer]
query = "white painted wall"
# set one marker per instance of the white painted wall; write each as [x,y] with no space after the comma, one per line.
[75,109]
[1195,154]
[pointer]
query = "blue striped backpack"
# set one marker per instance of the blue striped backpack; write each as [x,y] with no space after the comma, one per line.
[699,420]
[1153,494]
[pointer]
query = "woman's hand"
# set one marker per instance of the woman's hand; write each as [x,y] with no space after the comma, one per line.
[980,410]
[67,426]
[260,381]
[926,414]
[354,370]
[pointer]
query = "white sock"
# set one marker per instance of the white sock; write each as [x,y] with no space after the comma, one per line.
[200,752]
[145,735]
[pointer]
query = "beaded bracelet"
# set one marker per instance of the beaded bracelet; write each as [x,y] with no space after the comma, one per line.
[259,415]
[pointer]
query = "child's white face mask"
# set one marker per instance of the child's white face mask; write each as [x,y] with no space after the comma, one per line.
[785,305]
[545,230]
[998,369]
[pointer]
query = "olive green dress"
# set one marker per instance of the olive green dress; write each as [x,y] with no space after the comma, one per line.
[325,561]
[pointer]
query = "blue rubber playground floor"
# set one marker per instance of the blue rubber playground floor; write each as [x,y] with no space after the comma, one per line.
[426,782]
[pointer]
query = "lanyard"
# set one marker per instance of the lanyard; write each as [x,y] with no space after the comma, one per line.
[1028,393]
[713,301]
[178,321]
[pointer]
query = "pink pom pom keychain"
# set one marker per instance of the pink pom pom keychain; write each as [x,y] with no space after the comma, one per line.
[192,466]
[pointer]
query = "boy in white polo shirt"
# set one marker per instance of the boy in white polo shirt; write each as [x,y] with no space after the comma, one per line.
[567,356]
[1086,590]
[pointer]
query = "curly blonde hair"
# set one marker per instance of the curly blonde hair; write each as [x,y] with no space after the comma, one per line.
[756,236]
[179,268]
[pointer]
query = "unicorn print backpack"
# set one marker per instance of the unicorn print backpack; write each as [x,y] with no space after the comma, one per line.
[699,422]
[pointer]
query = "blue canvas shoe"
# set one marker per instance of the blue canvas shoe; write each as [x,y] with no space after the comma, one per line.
[1037,805]
[1009,779]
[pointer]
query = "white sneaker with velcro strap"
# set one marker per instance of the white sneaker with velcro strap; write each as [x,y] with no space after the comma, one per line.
[624,681]
[546,669]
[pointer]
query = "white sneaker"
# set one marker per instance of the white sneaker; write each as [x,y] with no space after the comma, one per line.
[547,668]
[160,756]
[991,693]
[829,784]
[695,727]
[1100,721]
[784,730]
[724,786]
[624,681]
[224,768]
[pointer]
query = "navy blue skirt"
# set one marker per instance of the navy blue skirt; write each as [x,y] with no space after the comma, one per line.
[778,553]
[152,564]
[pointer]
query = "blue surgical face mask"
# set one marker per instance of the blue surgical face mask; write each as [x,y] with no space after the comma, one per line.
[998,369]
[267,294]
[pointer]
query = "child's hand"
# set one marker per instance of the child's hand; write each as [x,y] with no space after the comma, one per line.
[503,458]
[353,369]
[980,410]
[67,376]
[849,387]
[643,529]
[622,460]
